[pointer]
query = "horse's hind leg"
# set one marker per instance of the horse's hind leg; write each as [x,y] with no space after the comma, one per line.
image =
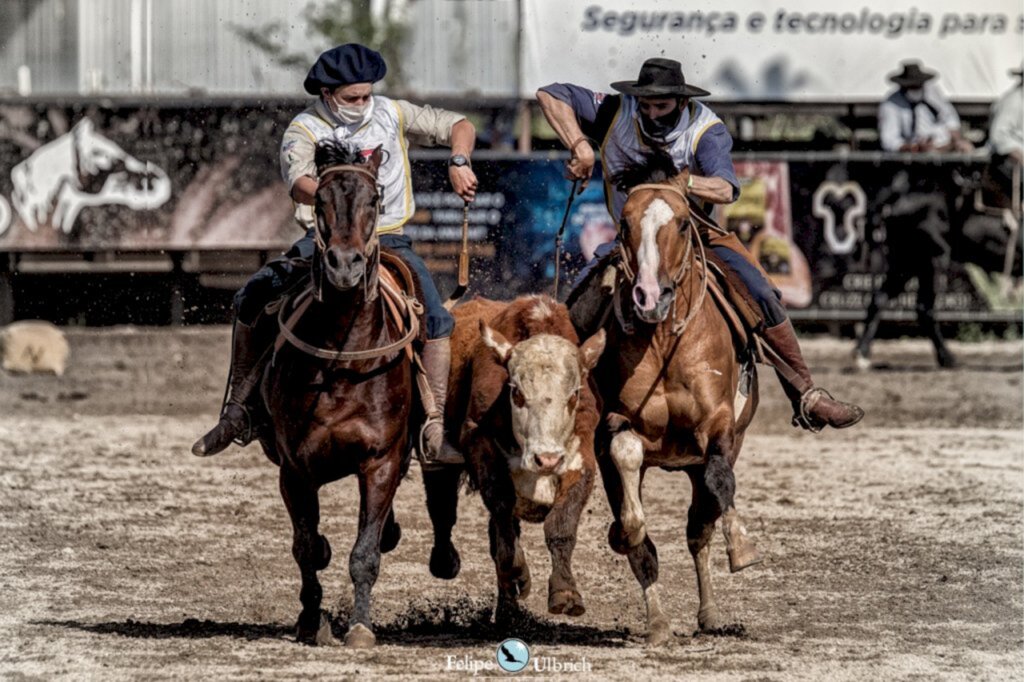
[392,533]
[442,488]
[312,553]
[560,528]
[721,484]
[378,481]
[510,564]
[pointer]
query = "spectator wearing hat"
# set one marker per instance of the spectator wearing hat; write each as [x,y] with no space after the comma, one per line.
[1006,142]
[917,117]
[657,116]
[348,111]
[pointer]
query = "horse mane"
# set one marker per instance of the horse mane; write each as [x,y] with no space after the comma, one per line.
[657,166]
[334,153]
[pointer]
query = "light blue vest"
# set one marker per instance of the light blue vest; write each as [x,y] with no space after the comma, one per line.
[623,145]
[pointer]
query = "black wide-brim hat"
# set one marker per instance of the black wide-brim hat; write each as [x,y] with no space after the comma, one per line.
[911,75]
[660,78]
[344,65]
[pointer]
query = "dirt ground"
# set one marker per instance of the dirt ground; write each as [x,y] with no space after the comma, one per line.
[894,550]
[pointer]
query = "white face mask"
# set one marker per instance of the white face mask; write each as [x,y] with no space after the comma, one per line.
[350,115]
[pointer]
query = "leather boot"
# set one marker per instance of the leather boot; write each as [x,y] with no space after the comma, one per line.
[813,408]
[437,361]
[235,424]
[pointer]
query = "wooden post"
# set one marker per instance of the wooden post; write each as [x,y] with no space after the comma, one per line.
[177,289]
[6,288]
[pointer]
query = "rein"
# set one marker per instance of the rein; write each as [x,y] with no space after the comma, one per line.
[688,232]
[406,308]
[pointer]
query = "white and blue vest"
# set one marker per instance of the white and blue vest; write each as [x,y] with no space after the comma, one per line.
[623,145]
[385,128]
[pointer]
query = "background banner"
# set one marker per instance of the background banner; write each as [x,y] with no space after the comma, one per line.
[792,51]
[167,178]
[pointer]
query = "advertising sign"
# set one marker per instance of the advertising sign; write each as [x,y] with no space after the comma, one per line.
[801,50]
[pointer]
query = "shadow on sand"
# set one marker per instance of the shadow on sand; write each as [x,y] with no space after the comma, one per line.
[424,623]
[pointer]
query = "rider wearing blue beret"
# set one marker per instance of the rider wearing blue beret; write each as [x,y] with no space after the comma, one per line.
[348,111]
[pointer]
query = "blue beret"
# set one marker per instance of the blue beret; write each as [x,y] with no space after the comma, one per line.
[345,64]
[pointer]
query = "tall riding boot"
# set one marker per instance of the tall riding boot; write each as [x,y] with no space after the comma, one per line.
[437,361]
[813,408]
[235,423]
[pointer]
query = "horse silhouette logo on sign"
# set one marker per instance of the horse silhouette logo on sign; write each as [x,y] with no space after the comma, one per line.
[81,169]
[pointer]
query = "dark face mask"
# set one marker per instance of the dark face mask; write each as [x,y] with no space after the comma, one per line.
[661,126]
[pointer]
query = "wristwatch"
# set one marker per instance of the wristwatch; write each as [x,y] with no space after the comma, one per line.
[458,160]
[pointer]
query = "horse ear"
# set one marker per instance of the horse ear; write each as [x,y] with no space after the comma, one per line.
[590,351]
[498,344]
[375,158]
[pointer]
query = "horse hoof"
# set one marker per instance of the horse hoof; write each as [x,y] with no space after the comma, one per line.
[445,562]
[744,556]
[710,621]
[659,633]
[360,637]
[568,602]
[391,537]
[314,635]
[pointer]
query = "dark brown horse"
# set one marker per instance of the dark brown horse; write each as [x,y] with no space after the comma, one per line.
[669,385]
[339,394]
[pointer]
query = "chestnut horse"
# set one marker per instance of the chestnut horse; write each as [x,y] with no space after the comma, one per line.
[669,385]
[339,394]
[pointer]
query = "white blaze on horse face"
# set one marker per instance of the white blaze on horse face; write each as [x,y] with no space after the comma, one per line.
[544,371]
[657,214]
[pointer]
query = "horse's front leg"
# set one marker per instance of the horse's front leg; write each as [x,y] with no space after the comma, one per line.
[378,481]
[627,453]
[311,550]
[643,557]
[560,528]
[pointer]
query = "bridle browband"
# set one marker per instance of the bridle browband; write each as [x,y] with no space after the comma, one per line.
[678,327]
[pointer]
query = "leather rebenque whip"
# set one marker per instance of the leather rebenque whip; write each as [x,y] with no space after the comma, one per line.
[463,262]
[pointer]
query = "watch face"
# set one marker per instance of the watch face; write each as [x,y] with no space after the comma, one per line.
[458,160]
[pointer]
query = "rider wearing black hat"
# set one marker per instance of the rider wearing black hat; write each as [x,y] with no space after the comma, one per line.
[348,111]
[917,117]
[657,113]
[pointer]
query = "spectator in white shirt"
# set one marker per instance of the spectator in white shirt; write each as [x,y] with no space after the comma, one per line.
[1006,141]
[918,117]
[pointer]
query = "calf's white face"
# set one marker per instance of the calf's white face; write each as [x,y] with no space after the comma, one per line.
[546,373]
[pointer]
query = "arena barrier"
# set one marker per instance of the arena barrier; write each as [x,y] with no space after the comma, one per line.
[99,187]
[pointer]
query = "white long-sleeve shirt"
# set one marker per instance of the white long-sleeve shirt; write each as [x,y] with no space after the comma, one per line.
[901,122]
[1006,132]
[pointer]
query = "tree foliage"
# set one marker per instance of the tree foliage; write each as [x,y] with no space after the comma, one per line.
[335,22]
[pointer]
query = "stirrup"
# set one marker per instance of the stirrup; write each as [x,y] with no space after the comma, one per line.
[246,436]
[807,402]
[421,451]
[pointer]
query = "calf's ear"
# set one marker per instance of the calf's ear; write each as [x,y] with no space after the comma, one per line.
[590,351]
[498,344]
